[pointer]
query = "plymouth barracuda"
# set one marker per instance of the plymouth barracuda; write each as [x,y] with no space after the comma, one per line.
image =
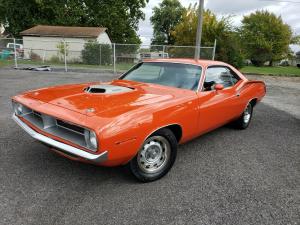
[139,119]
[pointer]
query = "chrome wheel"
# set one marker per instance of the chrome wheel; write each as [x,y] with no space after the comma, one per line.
[247,114]
[154,154]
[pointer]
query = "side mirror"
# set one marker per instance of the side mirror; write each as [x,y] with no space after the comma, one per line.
[219,87]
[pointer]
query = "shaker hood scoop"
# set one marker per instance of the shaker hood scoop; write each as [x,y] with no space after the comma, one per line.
[107,89]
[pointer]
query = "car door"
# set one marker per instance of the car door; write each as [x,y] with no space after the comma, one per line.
[216,108]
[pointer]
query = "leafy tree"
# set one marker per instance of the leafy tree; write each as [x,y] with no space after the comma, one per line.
[62,50]
[296,40]
[228,46]
[121,17]
[265,37]
[164,19]
[96,54]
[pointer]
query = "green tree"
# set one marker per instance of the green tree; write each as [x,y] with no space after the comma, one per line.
[228,45]
[165,17]
[63,49]
[265,37]
[96,54]
[296,40]
[121,17]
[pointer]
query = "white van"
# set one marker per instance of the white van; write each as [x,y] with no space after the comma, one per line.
[18,46]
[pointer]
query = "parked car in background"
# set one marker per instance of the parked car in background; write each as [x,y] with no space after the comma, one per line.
[154,55]
[19,48]
[139,119]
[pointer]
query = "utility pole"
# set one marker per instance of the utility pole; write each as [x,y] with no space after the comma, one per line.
[199,30]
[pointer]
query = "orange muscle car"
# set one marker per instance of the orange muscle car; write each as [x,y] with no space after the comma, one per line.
[139,119]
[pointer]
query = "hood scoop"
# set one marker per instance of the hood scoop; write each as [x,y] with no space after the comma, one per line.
[107,89]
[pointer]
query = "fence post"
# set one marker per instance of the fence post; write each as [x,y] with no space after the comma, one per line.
[164,51]
[15,54]
[114,58]
[100,55]
[65,55]
[44,55]
[214,50]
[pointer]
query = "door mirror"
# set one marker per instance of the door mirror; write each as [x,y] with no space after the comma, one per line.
[219,87]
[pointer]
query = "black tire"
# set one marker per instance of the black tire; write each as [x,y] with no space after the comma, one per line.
[242,123]
[161,147]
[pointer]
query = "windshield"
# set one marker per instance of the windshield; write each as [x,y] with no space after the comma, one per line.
[177,75]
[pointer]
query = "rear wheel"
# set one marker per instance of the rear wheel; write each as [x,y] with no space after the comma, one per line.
[156,156]
[245,119]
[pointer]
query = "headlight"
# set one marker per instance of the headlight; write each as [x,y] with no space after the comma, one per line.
[91,140]
[18,108]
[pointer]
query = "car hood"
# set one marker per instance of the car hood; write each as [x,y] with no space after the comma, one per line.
[76,97]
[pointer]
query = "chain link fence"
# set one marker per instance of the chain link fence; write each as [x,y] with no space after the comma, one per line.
[59,54]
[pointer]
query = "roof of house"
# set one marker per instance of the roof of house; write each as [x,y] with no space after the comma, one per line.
[62,31]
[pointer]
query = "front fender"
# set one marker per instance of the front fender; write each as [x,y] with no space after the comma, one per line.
[123,136]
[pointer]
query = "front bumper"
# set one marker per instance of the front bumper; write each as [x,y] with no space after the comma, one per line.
[61,146]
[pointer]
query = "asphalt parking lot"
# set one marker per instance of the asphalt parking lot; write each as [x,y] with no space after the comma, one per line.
[224,177]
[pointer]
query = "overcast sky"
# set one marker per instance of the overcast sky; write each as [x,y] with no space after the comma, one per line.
[288,9]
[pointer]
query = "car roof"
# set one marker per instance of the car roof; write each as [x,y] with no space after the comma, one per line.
[200,62]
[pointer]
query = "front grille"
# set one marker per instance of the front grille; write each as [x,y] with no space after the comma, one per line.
[37,113]
[69,126]
[59,128]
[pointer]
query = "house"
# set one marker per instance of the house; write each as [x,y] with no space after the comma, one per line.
[47,42]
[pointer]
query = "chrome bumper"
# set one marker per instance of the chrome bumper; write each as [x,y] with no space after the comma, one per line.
[59,145]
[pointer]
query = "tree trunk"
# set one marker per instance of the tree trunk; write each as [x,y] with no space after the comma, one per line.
[271,62]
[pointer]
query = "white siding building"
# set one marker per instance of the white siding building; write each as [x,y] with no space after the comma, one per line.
[47,42]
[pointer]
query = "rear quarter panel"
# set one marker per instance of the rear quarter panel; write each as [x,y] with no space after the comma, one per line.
[253,89]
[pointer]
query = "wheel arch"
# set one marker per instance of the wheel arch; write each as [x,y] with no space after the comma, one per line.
[253,102]
[177,131]
[175,128]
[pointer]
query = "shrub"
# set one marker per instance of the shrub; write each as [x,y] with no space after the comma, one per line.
[34,56]
[62,50]
[54,59]
[91,53]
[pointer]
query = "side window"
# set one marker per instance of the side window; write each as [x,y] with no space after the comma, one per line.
[219,75]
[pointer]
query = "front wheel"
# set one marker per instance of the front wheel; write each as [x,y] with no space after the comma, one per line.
[156,156]
[245,119]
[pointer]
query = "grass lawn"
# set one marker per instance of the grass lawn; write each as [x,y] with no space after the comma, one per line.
[273,71]
[4,63]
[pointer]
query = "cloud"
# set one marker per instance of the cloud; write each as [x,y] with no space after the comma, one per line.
[238,8]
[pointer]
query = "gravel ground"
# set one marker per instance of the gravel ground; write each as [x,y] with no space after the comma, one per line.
[283,93]
[224,177]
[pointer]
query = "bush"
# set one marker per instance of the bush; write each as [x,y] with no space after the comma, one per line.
[34,56]
[229,50]
[91,53]
[54,59]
